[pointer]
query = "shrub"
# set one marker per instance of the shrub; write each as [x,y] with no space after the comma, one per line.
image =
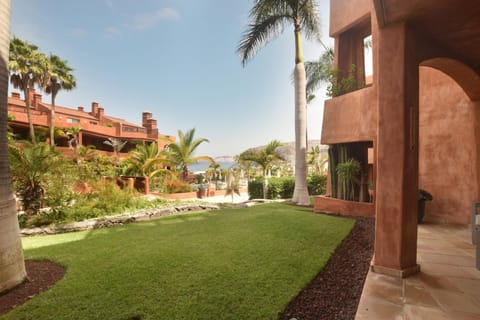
[280,188]
[288,187]
[255,188]
[177,186]
[317,184]
[105,199]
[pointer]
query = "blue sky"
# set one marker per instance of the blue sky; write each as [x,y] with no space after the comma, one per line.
[178,60]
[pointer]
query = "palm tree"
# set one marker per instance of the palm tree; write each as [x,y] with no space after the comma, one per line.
[215,168]
[12,266]
[316,160]
[116,144]
[27,67]
[265,158]
[57,76]
[233,184]
[320,71]
[30,165]
[268,17]
[182,152]
[146,160]
[72,134]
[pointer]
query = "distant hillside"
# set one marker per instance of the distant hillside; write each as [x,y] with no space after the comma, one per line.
[287,151]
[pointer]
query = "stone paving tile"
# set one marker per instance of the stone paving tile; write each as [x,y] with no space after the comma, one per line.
[384,287]
[447,259]
[448,286]
[419,295]
[378,309]
[453,301]
[415,312]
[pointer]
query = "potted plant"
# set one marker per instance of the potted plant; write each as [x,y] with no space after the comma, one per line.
[422,197]
[201,187]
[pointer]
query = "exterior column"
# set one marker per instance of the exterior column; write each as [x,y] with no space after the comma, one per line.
[80,138]
[397,153]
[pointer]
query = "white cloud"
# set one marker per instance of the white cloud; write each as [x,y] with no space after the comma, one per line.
[112,32]
[151,19]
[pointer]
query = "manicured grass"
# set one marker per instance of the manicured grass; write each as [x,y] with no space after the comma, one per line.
[230,264]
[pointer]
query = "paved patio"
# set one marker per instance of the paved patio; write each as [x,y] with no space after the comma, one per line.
[448,286]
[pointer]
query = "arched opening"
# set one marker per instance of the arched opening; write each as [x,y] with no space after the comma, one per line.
[449,117]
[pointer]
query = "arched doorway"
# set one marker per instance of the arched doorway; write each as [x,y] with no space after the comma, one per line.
[449,117]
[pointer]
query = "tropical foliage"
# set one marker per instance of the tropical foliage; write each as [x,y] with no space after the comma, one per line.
[265,159]
[316,160]
[26,65]
[29,68]
[146,160]
[348,172]
[31,166]
[182,152]
[319,72]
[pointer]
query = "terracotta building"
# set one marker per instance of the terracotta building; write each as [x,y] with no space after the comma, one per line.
[419,120]
[96,126]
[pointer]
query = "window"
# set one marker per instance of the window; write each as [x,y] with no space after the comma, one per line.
[73,120]
[93,122]
[133,129]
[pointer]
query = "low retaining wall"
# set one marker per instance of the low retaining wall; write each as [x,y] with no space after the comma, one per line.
[210,192]
[343,207]
[111,221]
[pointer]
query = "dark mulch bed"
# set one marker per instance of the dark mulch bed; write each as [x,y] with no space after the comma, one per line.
[333,294]
[42,274]
[336,290]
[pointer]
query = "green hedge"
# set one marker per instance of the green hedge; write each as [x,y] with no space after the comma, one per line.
[282,188]
[317,184]
[255,189]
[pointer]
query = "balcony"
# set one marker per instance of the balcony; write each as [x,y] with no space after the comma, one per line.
[350,117]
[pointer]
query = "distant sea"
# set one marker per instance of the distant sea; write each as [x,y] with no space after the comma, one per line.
[202,166]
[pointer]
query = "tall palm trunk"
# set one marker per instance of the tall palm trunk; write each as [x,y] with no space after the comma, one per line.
[300,193]
[52,121]
[26,90]
[12,266]
[265,183]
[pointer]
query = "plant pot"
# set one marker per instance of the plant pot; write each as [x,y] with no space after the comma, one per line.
[201,193]
[421,210]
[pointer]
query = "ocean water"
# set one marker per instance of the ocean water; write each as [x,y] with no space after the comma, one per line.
[202,166]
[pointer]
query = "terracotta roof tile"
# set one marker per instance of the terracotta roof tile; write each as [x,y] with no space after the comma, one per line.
[122,121]
[70,111]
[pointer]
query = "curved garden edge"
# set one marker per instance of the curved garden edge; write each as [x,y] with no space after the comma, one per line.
[336,290]
[138,216]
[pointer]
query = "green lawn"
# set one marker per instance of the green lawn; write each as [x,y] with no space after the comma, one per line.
[229,264]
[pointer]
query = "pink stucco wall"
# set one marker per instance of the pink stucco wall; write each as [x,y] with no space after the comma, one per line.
[448,164]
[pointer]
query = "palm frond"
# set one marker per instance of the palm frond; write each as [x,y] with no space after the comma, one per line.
[318,72]
[259,34]
[310,21]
